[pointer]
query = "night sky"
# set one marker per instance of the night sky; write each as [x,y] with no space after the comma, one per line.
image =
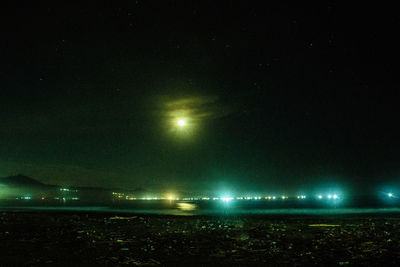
[273,97]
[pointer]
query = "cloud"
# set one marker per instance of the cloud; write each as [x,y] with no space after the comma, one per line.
[197,108]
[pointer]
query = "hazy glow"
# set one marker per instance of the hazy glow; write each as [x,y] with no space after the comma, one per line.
[390,194]
[181,122]
[320,197]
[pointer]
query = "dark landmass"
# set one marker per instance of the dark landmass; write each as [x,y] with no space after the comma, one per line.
[71,239]
[21,185]
[20,180]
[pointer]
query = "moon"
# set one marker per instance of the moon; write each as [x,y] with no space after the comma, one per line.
[181,122]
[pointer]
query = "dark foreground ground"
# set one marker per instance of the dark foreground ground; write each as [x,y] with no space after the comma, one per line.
[69,239]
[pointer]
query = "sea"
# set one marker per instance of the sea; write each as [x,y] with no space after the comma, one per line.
[360,205]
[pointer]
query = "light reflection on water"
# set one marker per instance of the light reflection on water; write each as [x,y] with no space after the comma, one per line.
[186,206]
[192,209]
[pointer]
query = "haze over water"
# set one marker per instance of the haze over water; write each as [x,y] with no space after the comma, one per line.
[234,207]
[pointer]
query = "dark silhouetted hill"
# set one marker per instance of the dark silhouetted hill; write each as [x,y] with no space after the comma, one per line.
[21,180]
[26,184]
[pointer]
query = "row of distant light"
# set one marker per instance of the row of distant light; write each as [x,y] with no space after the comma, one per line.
[334,196]
[68,190]
[226,198]
[43,198]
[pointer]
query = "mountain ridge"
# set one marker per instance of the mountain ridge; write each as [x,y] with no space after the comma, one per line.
[21,180]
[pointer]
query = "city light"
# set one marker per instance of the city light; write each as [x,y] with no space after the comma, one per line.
[170,196]
[226,199]
[332,196]
[150,198]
